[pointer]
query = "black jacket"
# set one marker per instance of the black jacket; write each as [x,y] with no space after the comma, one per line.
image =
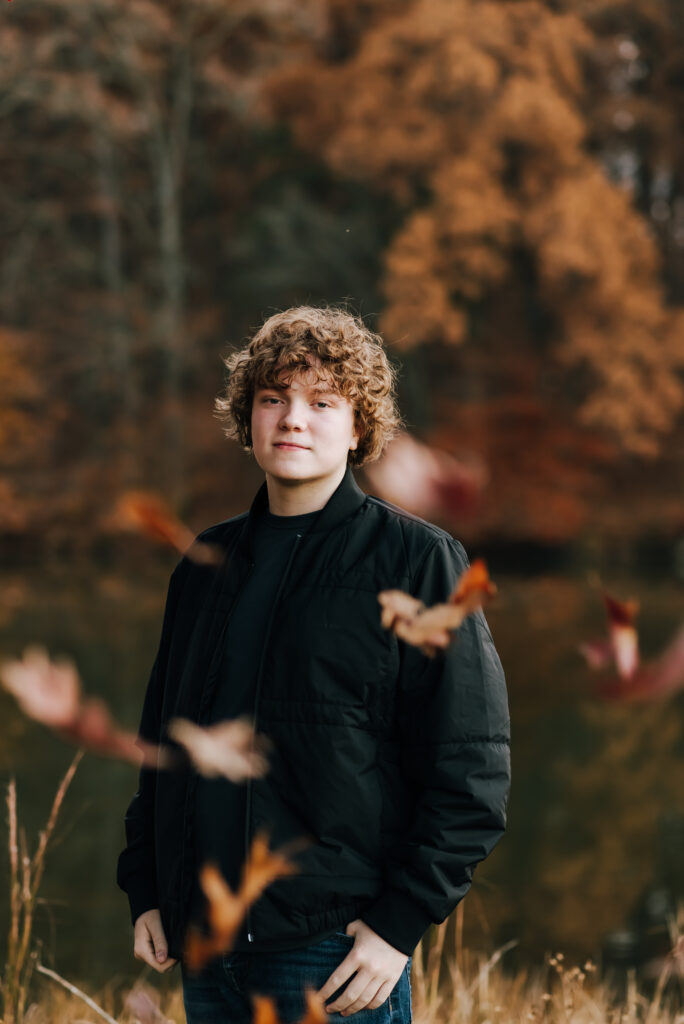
[394,764]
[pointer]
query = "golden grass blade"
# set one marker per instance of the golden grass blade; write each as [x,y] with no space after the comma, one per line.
[76,992]
[15,903]
[39,856]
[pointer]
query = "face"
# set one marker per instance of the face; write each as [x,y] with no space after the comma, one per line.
[303,431]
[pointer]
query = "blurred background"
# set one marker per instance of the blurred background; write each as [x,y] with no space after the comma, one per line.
[495,186]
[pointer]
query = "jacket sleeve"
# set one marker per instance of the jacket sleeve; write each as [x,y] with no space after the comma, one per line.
[454,733]
[136,871]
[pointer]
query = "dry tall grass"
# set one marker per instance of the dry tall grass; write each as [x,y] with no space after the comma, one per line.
[25,877]
[448,986]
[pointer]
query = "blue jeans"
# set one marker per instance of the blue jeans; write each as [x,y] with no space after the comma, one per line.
[220,993]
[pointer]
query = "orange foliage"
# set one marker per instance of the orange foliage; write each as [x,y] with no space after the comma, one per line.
[23,435]
[226,908]
[226,748]
[149,513]
[432,629]
[50,692]
[622,645]
[660,678]
[544,473]
[265,1009]
[425,480]
[479,106]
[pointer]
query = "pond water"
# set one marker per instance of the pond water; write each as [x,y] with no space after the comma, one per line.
[598,789]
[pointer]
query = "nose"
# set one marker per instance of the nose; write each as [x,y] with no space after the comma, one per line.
[293,416]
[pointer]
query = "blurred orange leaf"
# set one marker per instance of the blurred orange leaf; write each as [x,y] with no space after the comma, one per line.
[50,692]
[226,908]
[622,644]
[426,481]
[264,1009]
[432,628]
[223,748]
[265,1012]
[647,682]
[150,514]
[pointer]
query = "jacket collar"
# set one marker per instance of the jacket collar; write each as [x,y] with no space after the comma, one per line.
[346,499]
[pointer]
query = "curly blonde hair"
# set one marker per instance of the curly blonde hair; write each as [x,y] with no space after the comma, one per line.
[350,355]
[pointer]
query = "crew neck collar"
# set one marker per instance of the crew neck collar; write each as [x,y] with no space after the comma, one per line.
[346,499]
[287,522]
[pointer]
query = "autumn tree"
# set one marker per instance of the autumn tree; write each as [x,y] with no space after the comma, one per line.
[472,152]
[106,110]
[471,114]
[634,106]
[25,429]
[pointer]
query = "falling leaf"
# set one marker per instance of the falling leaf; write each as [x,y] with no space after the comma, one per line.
[143,1003]
[623,634]
[432,628]
[265,1011]
[227,908]
[226,912]
[473,586]
[223,748]
[47,691]
[426,481]
[50,693]
[396,604]
[264,865]
[622,644]
[657,679]
[149,513]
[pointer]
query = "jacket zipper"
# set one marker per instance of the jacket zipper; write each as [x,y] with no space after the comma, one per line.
[250,933]
[214,666]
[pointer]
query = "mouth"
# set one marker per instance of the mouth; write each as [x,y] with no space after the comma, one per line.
[287,445]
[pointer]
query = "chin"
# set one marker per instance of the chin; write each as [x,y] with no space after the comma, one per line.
[281,471]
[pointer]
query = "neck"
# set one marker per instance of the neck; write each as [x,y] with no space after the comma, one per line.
[295,497]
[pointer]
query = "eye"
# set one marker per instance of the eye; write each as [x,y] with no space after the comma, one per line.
[321,402]
[271,399]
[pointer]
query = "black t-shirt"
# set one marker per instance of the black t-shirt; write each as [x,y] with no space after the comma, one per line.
[221,805]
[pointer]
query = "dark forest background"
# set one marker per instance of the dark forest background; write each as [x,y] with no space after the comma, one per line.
[495,186]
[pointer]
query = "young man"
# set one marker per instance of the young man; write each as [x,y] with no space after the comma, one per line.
[393,764]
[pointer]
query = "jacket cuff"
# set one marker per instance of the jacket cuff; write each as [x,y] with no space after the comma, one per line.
[141,897]
[397,919]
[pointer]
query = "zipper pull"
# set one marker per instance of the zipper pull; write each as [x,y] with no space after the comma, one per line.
[250,937]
